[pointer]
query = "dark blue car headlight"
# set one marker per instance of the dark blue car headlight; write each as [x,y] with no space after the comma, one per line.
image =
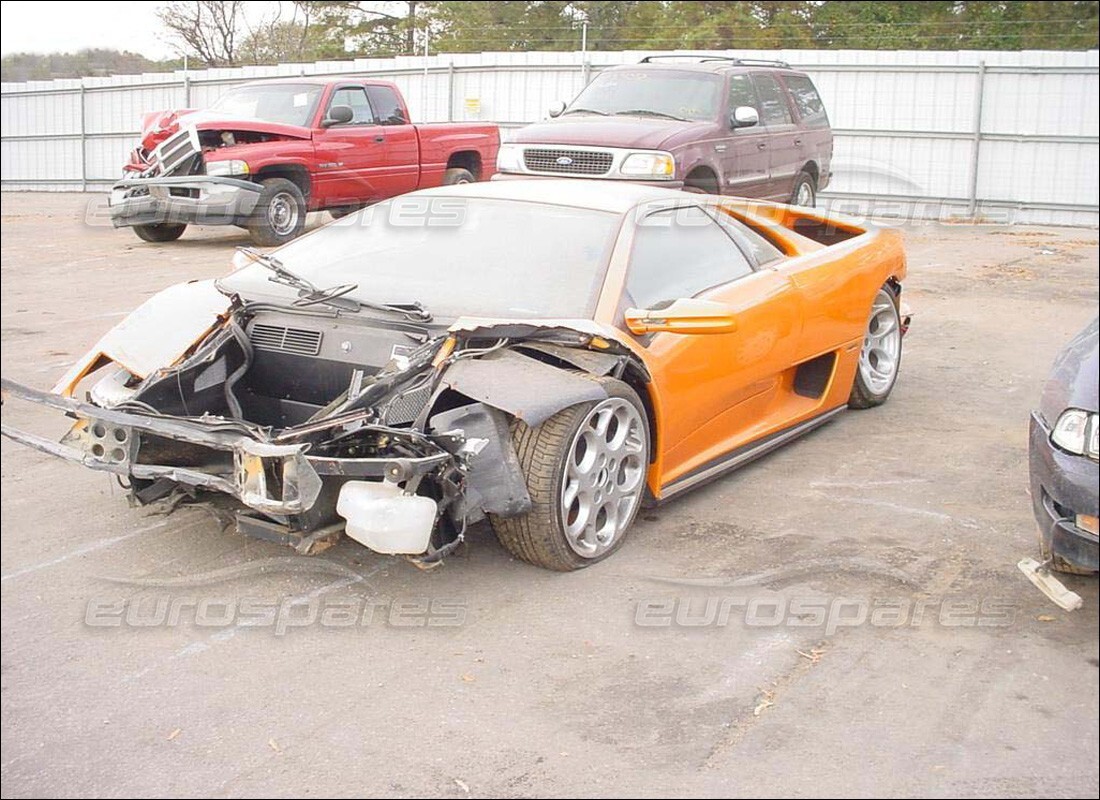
[1076,432]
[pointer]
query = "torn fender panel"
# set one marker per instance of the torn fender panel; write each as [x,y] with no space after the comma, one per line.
[156,335]
[494,482]
[520,385]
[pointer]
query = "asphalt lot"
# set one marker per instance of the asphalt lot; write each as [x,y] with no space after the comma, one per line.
[842,617]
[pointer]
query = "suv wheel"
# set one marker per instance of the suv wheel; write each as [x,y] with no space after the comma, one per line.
[805,191]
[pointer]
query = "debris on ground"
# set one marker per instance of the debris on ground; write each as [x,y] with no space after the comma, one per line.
[1040,575]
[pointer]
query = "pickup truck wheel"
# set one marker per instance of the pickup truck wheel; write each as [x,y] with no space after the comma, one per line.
[805,191]
[585,470]
[457,175]
[163,232]
[280,213]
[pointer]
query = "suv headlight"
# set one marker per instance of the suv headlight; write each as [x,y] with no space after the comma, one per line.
[510,158]
[1076,432]
[226,168]
[649,165]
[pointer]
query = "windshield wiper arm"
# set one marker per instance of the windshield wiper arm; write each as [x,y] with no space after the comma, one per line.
[281,274]
[584,111]
[645,112]
[335,296]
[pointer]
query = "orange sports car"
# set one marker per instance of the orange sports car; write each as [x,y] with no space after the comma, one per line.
[547,354]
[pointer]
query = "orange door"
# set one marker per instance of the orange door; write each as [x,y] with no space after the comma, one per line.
[717,389]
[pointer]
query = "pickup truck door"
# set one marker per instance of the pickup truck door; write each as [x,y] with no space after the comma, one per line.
[744,154]
[351,157]
[403,156]
[785,139]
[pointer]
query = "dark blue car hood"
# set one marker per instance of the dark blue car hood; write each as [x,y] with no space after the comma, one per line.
[1073,379]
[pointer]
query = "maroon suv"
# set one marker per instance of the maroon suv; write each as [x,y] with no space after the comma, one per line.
[722,125]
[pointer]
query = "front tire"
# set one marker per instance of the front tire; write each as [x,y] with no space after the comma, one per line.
[880,356]
[162,232]
[585,470]
[280,213]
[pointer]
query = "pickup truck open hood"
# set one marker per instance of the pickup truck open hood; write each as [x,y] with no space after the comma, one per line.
[167,123]
[643,132]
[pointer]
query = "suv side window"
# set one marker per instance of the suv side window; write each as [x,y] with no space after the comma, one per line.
[387,105]
[807,100]
[773,101]
[356,98]
[679,253]
[742,93]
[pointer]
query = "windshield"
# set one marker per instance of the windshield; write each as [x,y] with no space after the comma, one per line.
[686,95]
[456,256]
[287,103]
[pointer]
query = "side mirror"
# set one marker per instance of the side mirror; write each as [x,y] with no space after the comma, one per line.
[683,316]
[744,117]
[557,109]
[338,115]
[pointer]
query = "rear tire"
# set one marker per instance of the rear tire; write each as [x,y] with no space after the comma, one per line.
[585,470]
[880,356]
[457,175]
[280,213]
[805,191]
[162,232]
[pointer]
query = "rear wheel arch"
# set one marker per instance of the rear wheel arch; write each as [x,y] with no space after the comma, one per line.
[469,160]
[811,168]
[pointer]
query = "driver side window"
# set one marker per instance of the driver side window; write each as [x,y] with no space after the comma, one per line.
[679,253]
[356,98]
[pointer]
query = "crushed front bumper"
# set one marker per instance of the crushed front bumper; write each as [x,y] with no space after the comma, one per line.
[201,199]
[278,480]
[1063,486]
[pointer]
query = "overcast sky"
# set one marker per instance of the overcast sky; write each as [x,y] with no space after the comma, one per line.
[47,27]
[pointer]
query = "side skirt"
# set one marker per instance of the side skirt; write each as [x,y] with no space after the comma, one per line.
[743,455]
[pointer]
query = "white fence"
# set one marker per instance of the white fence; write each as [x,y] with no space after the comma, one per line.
[993,135]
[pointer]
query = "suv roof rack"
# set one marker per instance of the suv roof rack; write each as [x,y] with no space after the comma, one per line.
[703,57]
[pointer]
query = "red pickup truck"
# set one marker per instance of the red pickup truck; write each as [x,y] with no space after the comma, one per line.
[266,153]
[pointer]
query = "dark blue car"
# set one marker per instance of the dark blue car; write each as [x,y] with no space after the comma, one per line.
[1065,474]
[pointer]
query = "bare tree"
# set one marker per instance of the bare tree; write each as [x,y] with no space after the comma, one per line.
[207,30]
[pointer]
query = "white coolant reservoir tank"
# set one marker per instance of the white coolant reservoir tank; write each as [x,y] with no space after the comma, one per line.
[385,519]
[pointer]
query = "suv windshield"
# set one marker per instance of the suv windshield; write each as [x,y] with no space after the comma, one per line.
[287,103]
[685,95]
[457,256]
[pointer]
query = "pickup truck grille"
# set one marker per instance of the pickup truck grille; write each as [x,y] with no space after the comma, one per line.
[296,341]
[176,151]
[567,162]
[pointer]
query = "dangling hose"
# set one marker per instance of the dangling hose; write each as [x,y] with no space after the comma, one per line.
[239,372]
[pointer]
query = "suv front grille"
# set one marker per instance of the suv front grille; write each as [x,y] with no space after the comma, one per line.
[567,162]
